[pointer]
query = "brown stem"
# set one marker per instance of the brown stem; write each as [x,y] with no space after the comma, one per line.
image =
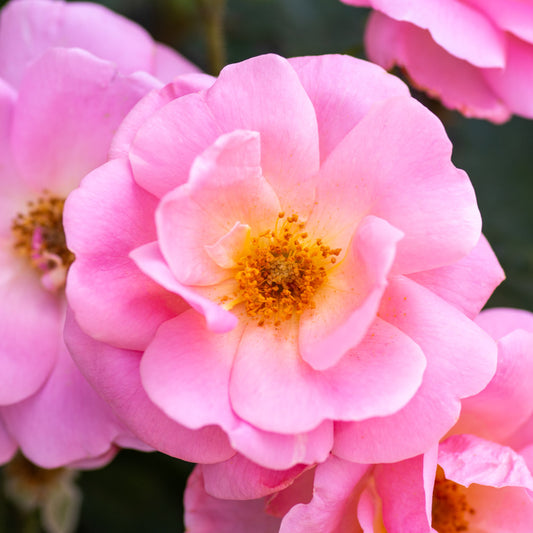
[212,12]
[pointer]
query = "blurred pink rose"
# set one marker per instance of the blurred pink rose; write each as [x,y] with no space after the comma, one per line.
[308,213]
[476,56]
[59,108]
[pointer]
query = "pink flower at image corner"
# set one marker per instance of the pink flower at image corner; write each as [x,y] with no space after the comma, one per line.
[313,246]
[478,479]
[476,56]
[467,484]
[59,108]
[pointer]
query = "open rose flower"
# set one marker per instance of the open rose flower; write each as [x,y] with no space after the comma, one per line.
[476,56]
[316,247]
[59,108]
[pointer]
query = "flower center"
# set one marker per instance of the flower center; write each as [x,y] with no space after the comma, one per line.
[450,511]
[280,276]
[40,238]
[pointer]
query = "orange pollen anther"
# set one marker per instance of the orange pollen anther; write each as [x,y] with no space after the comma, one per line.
[280,275]
[450,510]
[40,238]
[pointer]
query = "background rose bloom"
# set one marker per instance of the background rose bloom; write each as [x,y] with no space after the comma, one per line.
[469,483]
[59,108]
[476,56]
[326,247]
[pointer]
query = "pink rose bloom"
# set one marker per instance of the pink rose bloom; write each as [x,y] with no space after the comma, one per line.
[283,255]
[59,108]
[469,484]
[503,411]
[476,56]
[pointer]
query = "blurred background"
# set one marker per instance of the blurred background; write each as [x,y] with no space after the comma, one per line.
[140,493]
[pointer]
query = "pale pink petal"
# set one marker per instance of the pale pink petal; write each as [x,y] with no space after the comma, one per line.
[225,251]
[513,83]
[30,329]
[225,187]
[468,283]
[63,422]
[111,298]
[280,452]
[406,490]
[272,388]
[468,459]
[499,321]
[333,507]
[30,28]
[504,509]
[205,514]
[167,64]
[347,303]
[264,94]
[7,445]
[506,402]
[149,259]
[397,157]
[186,370]
[464,32]
[240,479]
[339,100]
[82,103]
[514,16]
[102,363]
[458,365]
[167,143]
[185,84]
[457,83]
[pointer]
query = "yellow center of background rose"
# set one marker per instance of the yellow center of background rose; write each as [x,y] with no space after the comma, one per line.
[450,510]
[39,235]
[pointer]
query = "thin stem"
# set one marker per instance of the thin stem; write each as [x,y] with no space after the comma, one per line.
[212,12]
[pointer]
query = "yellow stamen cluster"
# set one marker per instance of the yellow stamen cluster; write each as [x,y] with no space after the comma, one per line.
[280,275]
[39,235]
[450,510]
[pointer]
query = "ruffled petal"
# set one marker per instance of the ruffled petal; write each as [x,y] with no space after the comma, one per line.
[149,259]
[333,506]
[111,298]
[339,100]
[513,83]
[457,366]
[272,388]
[225,187]
[102,363]
[167,143]
[186,371]
[347,304]
[204,514]
[31,27]
[82,103]
[468,283]
[395,164]
[240,479]
[265,95]
[30,329]
[457,83]
[464,32]
[65,421]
